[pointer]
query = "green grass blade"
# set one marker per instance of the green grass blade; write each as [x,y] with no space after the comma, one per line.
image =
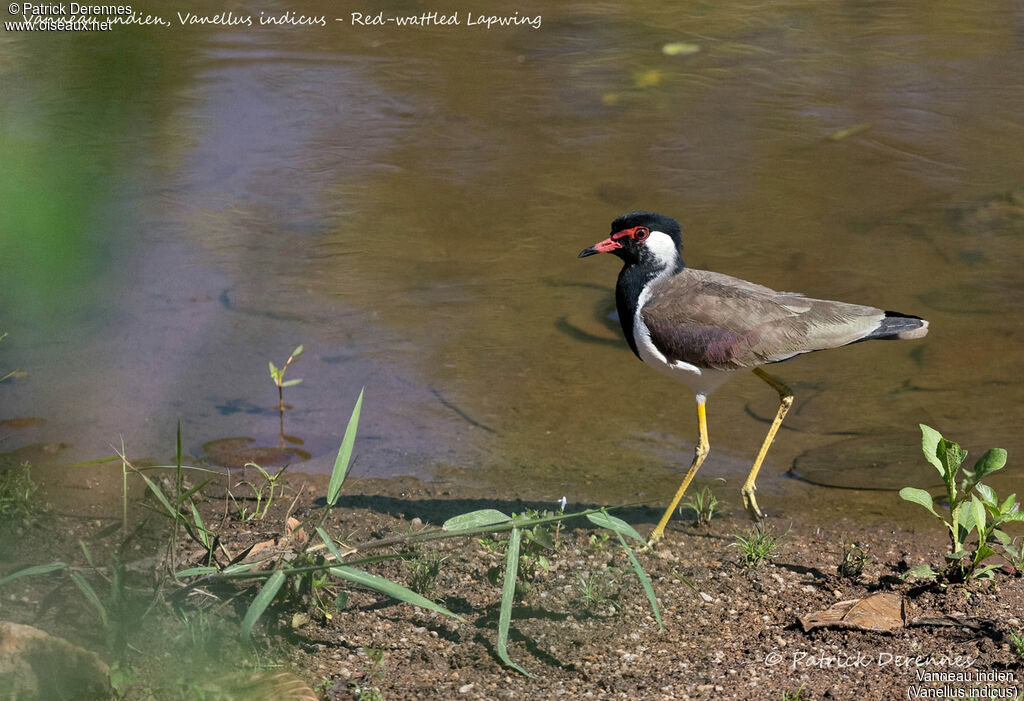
[508,595]
[32,571]
[386,586]
[615,524]
[329,542]
[177,461]
[196,571]
[193,490]
[91,596]
[240,567]
[475,519]
[201,532]
[260,603]
[341,464]
[161,497]
[644,580]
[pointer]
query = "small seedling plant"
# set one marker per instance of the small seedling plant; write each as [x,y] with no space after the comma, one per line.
[973,508]
[277,375]
[264,493]
[703,503]
[757,546]
[852,560]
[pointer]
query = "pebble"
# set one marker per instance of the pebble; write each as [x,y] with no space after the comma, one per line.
[707,597]
[465,688]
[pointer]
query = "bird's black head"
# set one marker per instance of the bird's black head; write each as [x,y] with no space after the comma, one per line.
[647,238]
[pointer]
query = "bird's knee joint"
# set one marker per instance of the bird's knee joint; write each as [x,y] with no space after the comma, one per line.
[787,400]
[702,450]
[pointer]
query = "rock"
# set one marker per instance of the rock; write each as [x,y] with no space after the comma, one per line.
[36,665]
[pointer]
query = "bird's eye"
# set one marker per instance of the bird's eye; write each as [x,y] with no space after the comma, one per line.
[641,233]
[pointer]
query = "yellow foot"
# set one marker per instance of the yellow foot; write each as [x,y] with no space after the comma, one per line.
[750,504]
[652,540]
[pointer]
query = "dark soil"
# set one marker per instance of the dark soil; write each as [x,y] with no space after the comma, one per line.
[730,630]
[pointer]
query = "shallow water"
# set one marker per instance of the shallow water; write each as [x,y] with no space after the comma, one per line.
[184,205]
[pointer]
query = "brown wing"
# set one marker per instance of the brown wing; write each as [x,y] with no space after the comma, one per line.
[715,321]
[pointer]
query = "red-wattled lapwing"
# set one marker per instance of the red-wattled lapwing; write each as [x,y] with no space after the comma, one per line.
[700,327]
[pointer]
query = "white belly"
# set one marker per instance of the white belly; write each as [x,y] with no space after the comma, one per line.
[701,381]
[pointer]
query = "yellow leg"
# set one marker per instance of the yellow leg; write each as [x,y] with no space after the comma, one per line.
[699,453]
[785,401]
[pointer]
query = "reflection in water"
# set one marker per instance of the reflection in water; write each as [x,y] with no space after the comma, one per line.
[185,206]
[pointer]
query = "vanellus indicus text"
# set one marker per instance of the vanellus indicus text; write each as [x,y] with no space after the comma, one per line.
[701,327]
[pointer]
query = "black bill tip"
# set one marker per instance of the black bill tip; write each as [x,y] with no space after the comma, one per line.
[588,252]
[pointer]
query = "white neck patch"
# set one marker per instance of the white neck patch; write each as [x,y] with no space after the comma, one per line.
[664,248]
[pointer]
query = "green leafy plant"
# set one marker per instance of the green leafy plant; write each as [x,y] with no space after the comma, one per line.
[537,543]
[263,492]
[703,503]
[423,572]
[320,565]
[852,560]
[277,375]
[1013,551]
[973,508]
[599,589]
[361,688]
[1017,643]
[757,546]
[17,492]
[797,694]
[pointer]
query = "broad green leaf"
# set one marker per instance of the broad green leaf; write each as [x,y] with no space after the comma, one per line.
[965,520]
[987,494]
[984,551]
[297,352]
[615,524]
[992,460]
[273,370]
[951,455]
[984,572]
[919,496]
[644,580]
[1002,537]
[474,519]
[957,556]
[978,512]
[341,464]
[1013,516]
[540,537]
[386,586]
[922,572]
[291,383]
[508,595]
[260,603]
[1009,506]
[32,571]
[930,446]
